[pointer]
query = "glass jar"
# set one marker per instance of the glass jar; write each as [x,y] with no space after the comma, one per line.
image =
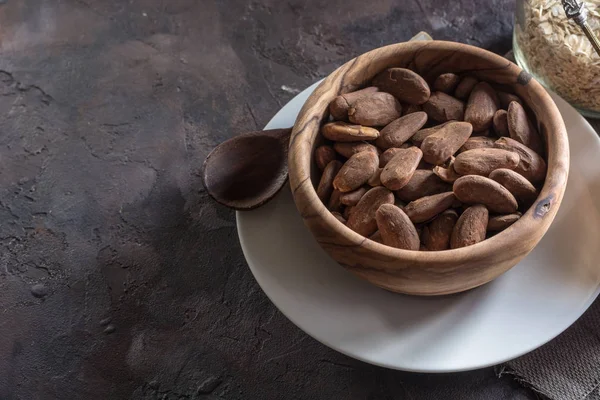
[557,53]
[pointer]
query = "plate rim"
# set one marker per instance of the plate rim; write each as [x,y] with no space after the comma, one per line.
[586,305]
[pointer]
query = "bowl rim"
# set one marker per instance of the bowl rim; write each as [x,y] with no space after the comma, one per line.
[538,217]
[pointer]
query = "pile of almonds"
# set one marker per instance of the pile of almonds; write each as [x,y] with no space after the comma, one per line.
[429,169]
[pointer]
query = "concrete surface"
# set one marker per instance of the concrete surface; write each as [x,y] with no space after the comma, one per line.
[119,278]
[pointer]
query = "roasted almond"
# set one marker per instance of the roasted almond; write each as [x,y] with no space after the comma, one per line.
[531,165]
[446,83]
[345,132]
[481,107]
[348,149]
[422,183]
[521,188]
[396,228]
[501,222]
[324,155]
[325,187]
[476,189]
[401,167]
[426,208]
[521,129]
[500,123]
[464,88]
[400,130]
[471,227]
[483,161]
[338,108]
[436,235]
[442,107]
[352,198]
[447,174]
[477,142]
[376,109]
[356,171]
[362,218]
[441,145]
[406,85]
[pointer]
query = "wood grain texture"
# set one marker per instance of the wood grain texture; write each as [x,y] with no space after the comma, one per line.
[441,272]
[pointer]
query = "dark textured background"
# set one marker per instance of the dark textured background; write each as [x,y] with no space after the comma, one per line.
[119,278]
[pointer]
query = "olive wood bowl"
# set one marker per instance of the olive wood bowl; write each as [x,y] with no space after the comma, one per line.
[427,272]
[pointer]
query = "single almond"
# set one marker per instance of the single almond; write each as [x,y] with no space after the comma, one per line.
[483,161]
[338,108]
[477,142]
[446,83]
[401,167]
[531,165]
[352,198]
[506,99]
[396,228]
[471,227]
[436,236]
[324,155]
[348,149]
[521,129]
[465,86]
[447,174]
[356,171]
[481,107]
[500,123]
[426,208]
[345,132]
[325,187]
[501,222]
[400,130]
[521,188]
[422,183]
[441,145]
[442,107]
[376,109]
[362,218]
[406,85]
[476,189]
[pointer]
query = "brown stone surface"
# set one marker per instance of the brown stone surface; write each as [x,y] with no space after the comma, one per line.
[121,279]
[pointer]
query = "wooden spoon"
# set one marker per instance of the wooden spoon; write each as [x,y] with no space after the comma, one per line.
[248,170]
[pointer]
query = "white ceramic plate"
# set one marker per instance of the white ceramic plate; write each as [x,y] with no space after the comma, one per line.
[516,313]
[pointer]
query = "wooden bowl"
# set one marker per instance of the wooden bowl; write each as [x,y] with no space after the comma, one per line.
[435,272]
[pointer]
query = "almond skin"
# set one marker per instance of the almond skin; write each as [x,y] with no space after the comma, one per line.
[362,218]
[484,161]
[481,107]
[521,188]
[356,171]
[401,167]
[406,85]
[500,123]
[400,130]
[345,132]
[521,129]
[441,145]
[465,86]
[442,107]
[376,109]
[422,183]
[426,208]
[324,155]
[476,189]
[436,236]
[501,222]
[338,108]
[531,165]
[471,227]
[325,187]
[396,228]
[348,149]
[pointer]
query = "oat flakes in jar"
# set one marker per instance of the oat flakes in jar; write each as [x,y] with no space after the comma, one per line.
[554,49]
